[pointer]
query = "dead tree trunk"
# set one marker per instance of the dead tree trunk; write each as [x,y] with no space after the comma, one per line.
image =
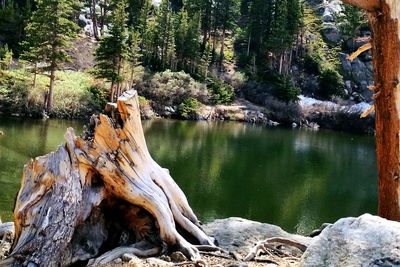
[384,17]
[98,192]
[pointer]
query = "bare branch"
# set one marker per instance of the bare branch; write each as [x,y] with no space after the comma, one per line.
[368,5]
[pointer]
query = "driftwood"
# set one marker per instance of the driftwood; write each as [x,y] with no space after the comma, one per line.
[266,244]
[99,192]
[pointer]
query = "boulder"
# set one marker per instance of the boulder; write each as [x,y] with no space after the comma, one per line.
[240,235]
[331,33]
[364,241]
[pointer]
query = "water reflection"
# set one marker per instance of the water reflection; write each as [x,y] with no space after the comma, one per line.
[296,179]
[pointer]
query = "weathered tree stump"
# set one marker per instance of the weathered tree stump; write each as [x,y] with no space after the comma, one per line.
[99,192]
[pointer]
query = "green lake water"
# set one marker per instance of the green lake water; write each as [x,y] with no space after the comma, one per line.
[296,179]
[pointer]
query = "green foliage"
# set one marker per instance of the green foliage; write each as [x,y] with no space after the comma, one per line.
[50,31]
[172,88]
[6,57]
[331,83]
[221,92]
[113,48]
[272,27]
[352,19]
[12,21]
[285,90]
[76,95]
[188,108]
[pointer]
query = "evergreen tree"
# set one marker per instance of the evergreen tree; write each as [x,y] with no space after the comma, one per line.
[352,19]
[229,11]
[13,17]
[165,33]
[49,32]
[113,49]
[134,53]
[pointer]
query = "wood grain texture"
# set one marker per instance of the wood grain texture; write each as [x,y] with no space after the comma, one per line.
[62,212]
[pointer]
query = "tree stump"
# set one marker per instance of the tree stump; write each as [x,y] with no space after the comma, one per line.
[99,192]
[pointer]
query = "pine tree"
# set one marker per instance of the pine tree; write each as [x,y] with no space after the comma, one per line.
[226,19]
[165,35]
[49,32]
[134,53]
[352,19]
[113,48]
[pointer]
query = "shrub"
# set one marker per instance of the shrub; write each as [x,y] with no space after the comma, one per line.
[146,112]
[283,112]
[221,92]
[75,94]
[330,83]
[171,89]
[188,108]
[285,90]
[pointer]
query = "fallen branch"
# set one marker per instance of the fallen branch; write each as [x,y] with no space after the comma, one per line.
[359,51]
[263,245]
[118,252]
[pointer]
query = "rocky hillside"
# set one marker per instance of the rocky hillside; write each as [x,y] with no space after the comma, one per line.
[358,74]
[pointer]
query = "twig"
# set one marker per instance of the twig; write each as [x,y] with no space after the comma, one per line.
[216,255]
[195,263]
[263,245]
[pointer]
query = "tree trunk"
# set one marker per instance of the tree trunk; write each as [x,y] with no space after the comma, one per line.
[248,45]
[94,20]
[98,192]
[384,17]
[51,87]
[222,48]
[112,93]
[34,75]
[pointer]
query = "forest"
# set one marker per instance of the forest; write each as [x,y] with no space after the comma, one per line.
[199,133]
[191,53]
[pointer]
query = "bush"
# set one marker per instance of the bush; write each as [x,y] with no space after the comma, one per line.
[285,90]
[283,112]
[171,89]
[221,92]
[75,94]
[330,84]
[146,111]
[188,108]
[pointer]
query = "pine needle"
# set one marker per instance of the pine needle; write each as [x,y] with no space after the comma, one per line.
[359,51]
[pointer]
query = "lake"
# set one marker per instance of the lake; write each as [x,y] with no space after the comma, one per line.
[296,179]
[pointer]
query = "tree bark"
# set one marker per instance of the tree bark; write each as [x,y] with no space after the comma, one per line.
[222,48]
[51,87]
[94,20]
[384,20]
[96,190]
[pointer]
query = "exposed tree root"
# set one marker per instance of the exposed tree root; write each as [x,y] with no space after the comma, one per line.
[135,250]
[266,244]
[98,192]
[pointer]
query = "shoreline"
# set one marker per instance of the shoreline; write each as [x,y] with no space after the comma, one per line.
[312,114]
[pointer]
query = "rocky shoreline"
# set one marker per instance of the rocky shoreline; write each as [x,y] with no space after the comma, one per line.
[310,114]
[364,241]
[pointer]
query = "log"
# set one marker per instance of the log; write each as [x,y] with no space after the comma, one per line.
[98,192]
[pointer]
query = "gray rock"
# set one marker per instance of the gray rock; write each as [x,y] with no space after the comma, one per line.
[177,256]
[364,241]
[155,262]
[331,33]
[240,235]
[127,257]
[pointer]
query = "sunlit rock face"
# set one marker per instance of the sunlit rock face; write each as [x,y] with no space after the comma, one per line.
[364,241]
